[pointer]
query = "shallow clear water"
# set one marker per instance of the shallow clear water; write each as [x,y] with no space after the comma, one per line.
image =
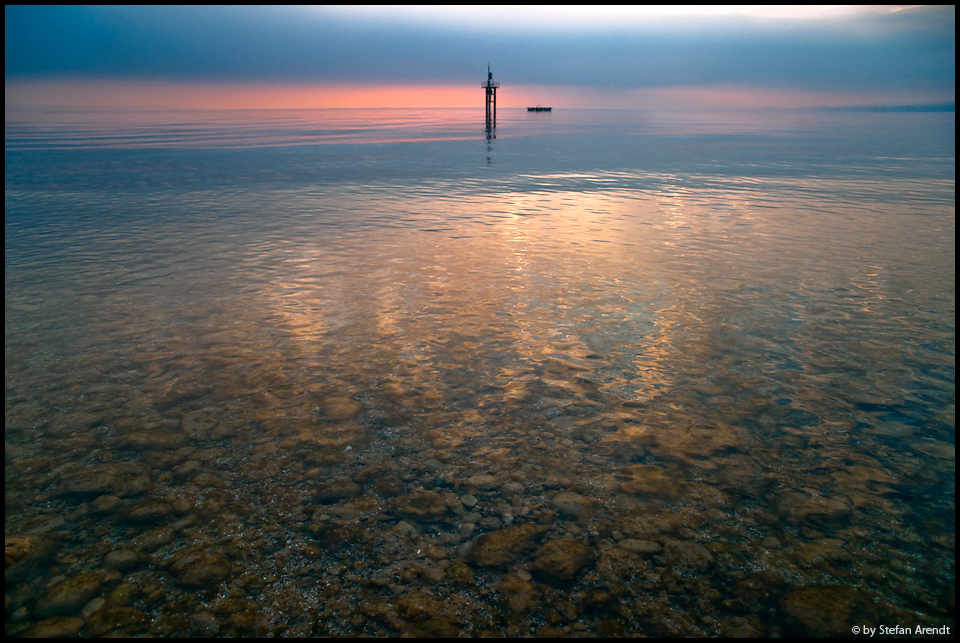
[374,372]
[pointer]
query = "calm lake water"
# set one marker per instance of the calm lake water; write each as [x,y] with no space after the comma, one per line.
[373,372]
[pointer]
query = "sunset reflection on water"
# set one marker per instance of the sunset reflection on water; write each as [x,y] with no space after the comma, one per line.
[334,375]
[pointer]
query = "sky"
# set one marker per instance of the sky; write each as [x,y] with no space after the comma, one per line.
[688,57]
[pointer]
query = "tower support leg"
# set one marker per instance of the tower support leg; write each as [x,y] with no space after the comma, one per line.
[491,117]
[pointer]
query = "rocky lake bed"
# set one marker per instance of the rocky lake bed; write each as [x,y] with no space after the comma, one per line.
[204,525]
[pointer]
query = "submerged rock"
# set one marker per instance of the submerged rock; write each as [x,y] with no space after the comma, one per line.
[599,602]
[741,627]
[160,439]
[796,507]
[152,511]
[197,424]
[55,627]
[572,505]
[122,595]
[428,506]
[619,565]
[826,611]
[117,621]
[389,486]
[436,628]
[105,505]
[185,470]
[687,555]
[418,607]
[374,471]
[770,543]
[105,479]
[123,559]
[559,561]
[333,539]
[462,575]
[337,491]
[759,589]
[502,547]
[340,407]
[483,482]
[152,540]
[516,594]
[67,597]
[812,553]
[247,623]
[204,624]
[24,554]
[639,546]
[196,567]
[648,480]
[184,388]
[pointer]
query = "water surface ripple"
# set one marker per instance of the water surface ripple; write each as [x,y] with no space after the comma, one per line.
[372,373]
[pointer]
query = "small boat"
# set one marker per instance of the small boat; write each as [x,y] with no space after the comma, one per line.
[539,109]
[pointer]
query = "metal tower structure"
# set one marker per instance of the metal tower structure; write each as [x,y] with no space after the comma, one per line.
[491,87]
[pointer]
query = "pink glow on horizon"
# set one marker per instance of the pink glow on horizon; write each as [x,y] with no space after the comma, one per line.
[193,95]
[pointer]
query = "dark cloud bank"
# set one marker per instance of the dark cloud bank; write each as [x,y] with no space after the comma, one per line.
[910,50]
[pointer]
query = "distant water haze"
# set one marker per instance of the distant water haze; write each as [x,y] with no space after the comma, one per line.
[153,94]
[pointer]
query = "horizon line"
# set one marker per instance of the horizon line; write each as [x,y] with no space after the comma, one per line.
[949,106]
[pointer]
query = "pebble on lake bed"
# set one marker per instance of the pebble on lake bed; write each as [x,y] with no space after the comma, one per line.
[122,559]
[512,489]
[483,482]
[573,505]
[770,543]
